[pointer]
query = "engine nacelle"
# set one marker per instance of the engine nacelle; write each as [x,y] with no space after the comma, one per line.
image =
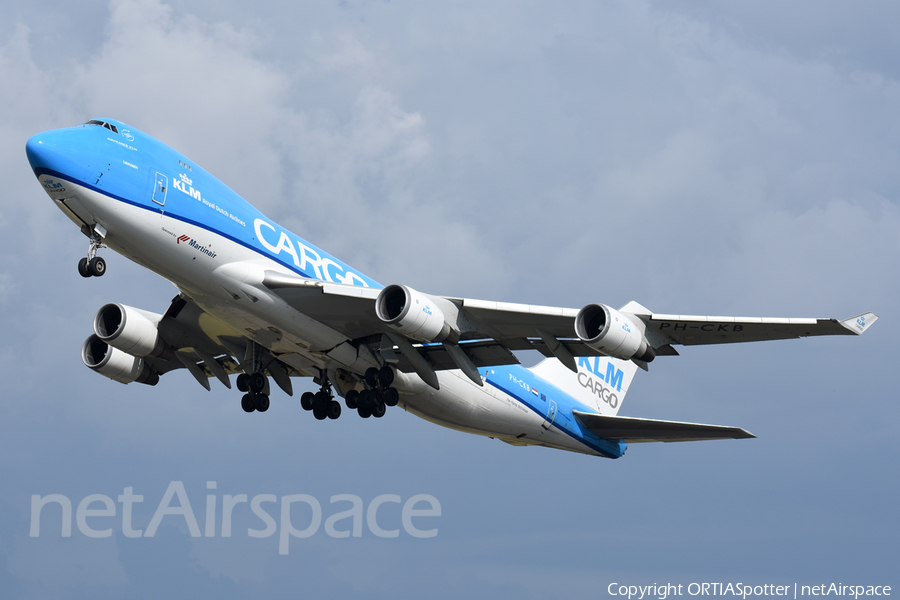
[131,330]
[609,331]
[115,364]
[412,313]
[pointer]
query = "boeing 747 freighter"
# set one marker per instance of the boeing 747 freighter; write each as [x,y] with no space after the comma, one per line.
[259,302]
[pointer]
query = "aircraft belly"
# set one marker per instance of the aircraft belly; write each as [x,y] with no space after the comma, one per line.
[464,406]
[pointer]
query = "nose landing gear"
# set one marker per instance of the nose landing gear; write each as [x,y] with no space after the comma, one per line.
[93,265]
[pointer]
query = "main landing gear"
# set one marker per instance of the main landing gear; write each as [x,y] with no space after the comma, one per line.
[92,265]
[322,403]
[372,401]
[256,385]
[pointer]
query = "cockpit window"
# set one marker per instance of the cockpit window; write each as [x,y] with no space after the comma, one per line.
[109,126]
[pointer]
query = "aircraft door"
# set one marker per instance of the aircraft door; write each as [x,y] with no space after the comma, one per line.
[160,187]
[551,414]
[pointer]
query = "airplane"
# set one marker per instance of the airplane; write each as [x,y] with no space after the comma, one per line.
[258,301]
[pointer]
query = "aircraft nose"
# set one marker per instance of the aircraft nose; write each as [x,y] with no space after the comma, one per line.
[59,152]
[40,150]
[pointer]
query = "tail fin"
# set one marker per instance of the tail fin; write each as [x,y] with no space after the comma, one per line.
[601,382]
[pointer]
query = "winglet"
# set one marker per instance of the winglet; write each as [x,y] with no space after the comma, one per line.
[859,324]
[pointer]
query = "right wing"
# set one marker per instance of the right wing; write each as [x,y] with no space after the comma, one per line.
[351,310]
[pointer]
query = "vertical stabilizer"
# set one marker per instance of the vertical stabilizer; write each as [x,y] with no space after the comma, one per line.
[601,382]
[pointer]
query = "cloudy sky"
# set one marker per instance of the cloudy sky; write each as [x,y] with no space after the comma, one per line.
[697,157]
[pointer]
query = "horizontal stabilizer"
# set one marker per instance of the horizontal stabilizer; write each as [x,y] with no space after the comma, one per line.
[634,430]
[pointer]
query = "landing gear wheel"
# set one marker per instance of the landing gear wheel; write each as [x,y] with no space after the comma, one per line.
[365,399]
[247,403]
[321,401]
[352,399]
[262,403]
[97,266]
[83,268]
[334,409]
[378,410]
[391,396]
[386,376]
[365,413]
[319,414]
[257,382]
[306,400]
[242,382]
[371,377]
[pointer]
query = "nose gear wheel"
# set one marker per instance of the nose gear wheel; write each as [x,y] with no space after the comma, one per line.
[93,265]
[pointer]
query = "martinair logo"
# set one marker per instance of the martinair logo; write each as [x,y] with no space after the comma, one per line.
[193,244]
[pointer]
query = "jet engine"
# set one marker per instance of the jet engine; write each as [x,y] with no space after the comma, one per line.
[116,364]
[131,330]
[412,313]
[609,331]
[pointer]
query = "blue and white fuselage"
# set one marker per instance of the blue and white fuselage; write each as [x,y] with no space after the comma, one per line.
[258,300]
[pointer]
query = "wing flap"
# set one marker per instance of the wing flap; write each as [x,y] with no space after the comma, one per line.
[635,430]
[482,354]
